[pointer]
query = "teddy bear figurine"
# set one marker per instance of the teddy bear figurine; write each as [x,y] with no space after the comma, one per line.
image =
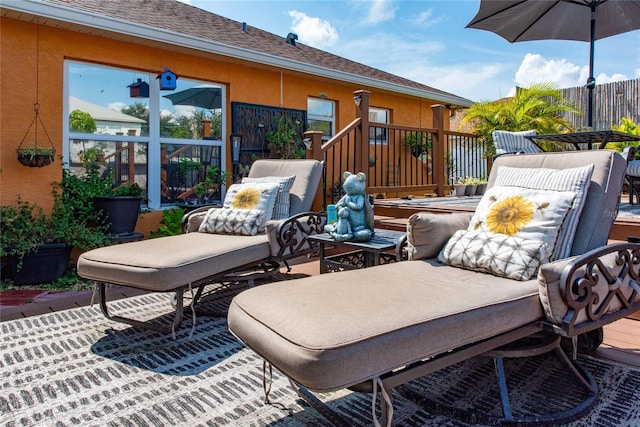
[354,212]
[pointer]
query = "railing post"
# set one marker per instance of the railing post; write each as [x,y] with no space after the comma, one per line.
[439,151]
[361,98]
[315,152]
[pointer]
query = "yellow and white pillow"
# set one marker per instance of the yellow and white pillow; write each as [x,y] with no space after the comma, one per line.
[283,202]
[522,212]
[572,179]
[260,196]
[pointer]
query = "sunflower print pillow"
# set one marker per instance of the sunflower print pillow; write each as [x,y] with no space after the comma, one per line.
[529,214]
[253,196]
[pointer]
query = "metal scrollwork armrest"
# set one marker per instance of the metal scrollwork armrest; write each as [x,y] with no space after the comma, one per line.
[291,234]
[601,286]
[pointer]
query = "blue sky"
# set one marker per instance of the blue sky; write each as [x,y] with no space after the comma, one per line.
[426,41]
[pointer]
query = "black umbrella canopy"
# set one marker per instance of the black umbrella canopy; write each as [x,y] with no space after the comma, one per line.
[580,20]
[203,96]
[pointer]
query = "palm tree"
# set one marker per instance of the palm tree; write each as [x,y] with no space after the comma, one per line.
[537,107]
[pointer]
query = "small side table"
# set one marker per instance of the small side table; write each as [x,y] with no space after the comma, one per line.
[381,249]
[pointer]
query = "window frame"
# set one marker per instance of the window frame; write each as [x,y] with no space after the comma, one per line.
[322,118]
[153,141]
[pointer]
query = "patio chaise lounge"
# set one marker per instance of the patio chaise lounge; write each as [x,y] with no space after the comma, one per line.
[192,260]
[381,327]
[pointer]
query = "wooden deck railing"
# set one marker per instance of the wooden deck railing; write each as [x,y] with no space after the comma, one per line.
[398,160]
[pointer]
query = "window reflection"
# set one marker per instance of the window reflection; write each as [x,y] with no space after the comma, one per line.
[191,174]
[173,144]
[124,162]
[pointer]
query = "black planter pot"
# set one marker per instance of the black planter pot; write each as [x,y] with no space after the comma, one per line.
[417,151]
[45,265]
[121,212]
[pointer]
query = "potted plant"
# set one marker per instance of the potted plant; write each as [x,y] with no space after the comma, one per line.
[37,246]
[206,191]
[466,186]
[118,206]
[459,187]
[419,143]
[481,186]
[284,141]
[213,180]
[35,156]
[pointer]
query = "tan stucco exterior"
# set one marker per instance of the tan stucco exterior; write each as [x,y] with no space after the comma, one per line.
[245,82]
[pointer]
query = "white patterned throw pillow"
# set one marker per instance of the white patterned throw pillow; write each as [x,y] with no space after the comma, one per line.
[244,222]
[261,196]
[283,202]
[572,179]
[523,212]
[498,254]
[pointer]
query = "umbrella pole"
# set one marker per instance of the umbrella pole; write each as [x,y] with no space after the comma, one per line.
[591,81]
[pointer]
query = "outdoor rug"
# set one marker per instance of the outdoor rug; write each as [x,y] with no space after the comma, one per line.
[76,367]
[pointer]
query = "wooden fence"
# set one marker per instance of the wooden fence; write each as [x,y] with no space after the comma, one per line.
[612,101]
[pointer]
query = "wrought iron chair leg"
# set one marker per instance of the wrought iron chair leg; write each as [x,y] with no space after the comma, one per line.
[331,415]
[504,392]
[177,320]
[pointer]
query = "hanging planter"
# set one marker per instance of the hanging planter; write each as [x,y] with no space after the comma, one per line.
[35,155]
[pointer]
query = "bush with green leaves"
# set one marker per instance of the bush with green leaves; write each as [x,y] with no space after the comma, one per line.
[626,126]
[26,226]
[284,141]
[539,106]
[170,224]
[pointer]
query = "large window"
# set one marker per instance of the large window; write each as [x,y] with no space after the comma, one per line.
[165,140]
[321,117]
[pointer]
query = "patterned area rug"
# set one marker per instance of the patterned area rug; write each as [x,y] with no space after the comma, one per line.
[77,368]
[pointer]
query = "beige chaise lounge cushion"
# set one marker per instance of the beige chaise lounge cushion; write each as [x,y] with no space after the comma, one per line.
[403,312]
[174,261]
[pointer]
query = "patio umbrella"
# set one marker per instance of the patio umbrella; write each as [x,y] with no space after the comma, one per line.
[202,96]
[523,20]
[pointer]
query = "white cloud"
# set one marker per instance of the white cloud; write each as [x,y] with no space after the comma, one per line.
[426,19]
[373,50]
[185,1]
[603,78]
[116,106]
[535,69]
[313,31]
[472,81]
[380,11]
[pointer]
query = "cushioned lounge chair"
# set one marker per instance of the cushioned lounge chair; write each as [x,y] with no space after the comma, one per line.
[506,142]
[380,327]
[195,259]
